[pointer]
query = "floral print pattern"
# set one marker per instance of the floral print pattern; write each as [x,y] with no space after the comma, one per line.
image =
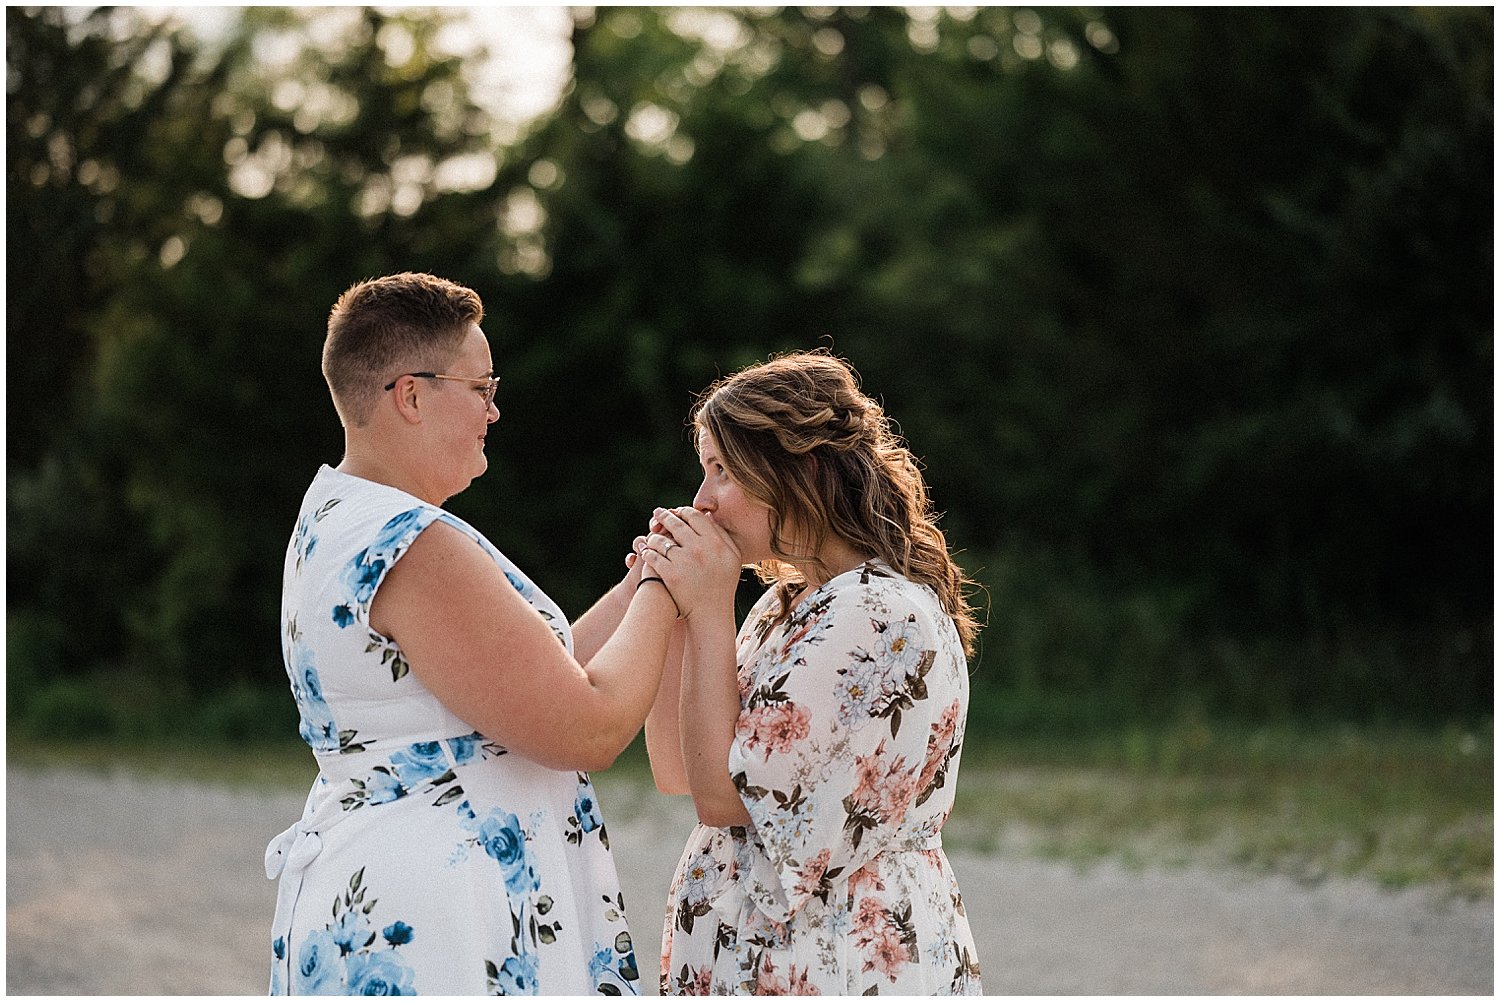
[849,736]
[344,958]
[452,866]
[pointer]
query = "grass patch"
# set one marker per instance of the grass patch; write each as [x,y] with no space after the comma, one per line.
[261,765]
[1396,806]
[1399,807]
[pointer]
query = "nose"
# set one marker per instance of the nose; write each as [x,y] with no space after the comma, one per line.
[703,501]
[491,412]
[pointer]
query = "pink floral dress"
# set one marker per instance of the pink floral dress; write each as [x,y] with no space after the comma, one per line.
[846,754]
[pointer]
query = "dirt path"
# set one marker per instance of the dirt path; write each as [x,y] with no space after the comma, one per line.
[125,885]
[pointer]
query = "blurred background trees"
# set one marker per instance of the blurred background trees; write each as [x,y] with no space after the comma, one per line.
[1188,313]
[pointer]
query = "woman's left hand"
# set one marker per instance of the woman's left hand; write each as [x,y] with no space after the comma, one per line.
[695,558]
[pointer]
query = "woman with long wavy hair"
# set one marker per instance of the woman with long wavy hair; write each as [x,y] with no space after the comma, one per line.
[821,744]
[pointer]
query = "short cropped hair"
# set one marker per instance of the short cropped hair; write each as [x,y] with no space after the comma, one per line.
[382,328]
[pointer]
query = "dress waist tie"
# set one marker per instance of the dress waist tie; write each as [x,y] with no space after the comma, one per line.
[734,904]
[287,857]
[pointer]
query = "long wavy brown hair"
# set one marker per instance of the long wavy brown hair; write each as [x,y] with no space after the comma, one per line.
[800,436]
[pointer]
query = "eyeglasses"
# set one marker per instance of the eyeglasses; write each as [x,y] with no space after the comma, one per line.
[492,383]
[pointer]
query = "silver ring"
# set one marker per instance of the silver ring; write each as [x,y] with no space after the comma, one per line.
[668,548]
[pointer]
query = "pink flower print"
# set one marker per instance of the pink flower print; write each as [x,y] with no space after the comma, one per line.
[744,675]
[776,727]
[810,877]
[791,640]
[689,980]
[867,789]
[701,982]
[766,981]
[869,920]
[797,983]
[885,788]
[939,743]
[866,878]
[878,935]
[887,954]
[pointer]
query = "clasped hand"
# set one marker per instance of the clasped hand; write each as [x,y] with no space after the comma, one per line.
[696,559]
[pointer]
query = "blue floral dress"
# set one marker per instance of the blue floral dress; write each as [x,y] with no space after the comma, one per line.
[845,753]
[428,859]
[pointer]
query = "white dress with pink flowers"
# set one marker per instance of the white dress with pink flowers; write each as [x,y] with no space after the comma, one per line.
[846,754]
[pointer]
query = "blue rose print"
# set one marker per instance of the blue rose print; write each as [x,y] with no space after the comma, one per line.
[397,933]
[419,762]
[587,809]
[462,748]
[306,541]
[518,584]
[278,950]
[601,963]
[381,787]
[360,578]
[364,572]
[392,532]
[351,931]
[527,881]
[518,975]
[503,840]
[318,970]
[380,973]
[317,727]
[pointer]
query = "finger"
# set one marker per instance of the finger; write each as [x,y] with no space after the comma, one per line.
[700,523]
[638,544]
[677,525]
[630,559]
[656,519]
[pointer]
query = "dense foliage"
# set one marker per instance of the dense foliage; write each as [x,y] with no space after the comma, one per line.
[1188,312]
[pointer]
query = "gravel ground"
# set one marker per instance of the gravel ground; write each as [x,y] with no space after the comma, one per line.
[118,884]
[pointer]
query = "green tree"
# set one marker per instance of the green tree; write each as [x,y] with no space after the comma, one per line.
[1188,314]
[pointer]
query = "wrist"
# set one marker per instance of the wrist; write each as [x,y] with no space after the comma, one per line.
[647,579]
[709,613]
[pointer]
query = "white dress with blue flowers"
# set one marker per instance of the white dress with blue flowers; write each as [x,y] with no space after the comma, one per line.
[428,859]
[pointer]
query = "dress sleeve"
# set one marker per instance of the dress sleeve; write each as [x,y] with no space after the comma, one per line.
[361,576]
[831,742]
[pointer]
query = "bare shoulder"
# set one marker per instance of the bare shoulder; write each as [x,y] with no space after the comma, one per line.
[440,569]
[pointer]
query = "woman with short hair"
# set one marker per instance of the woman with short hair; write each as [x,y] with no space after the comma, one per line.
[452,843]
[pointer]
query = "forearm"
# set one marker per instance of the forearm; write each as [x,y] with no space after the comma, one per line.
[710,707]
[594,628]
[627,669]
[663,735]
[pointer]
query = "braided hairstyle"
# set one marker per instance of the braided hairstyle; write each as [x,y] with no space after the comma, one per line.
[799,436]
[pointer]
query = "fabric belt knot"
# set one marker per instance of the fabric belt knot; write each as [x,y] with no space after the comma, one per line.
[288,856]
[292,850]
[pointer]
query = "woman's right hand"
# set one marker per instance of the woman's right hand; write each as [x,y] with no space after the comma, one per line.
[697,560]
